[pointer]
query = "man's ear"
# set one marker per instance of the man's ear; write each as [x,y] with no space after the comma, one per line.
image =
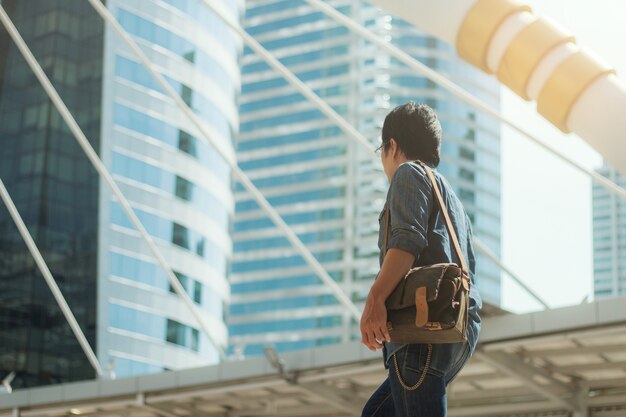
[394,147]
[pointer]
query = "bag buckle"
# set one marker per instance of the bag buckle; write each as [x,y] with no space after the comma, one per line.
[433,325]
[465,282]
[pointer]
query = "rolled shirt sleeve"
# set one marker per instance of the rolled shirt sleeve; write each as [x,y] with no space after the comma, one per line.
[410,201]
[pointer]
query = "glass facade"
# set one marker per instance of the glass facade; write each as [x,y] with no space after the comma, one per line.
[178,185]
[327,187]
[609,237]
[54,188]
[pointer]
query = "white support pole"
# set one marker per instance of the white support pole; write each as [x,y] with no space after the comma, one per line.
[41,263]
[104,173]
[256,194]
[457,91]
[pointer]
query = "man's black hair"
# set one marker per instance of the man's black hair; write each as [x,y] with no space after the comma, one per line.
[416,129]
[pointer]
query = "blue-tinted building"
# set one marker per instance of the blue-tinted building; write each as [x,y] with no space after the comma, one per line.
[328,188]
[609,237]
[177,184]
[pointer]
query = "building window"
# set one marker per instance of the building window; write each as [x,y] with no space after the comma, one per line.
[183,335]
[467,154]
[467,174]
[197,292]
[180,235]
[187,143]
[184,189]
[186,94]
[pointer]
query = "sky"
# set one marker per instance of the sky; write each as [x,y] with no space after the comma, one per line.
[546,204]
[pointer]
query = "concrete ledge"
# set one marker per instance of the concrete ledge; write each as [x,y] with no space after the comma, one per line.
[601,313]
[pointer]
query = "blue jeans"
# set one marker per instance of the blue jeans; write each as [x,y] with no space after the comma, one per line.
[429,400]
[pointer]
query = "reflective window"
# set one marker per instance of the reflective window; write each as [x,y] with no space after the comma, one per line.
[183,335]
[311,155]
[274,284]
[153,325]
[280,241]
[197,10]
[184,188]
[126,368]
[156,226]
[285,23]
[324,72]
[273,7]
[54,187]
[152,274]
[156,34]
[289,99]
[320,35]
[136,321]
[187,239]
[285,325]
[205,108]
[290,219]
[303,116]
[166,181]
[407,81]
[147,125]
[296,178]
[309,56]
[282,283]
[284,262]
[406,40]
[277,140]
[175,233]
[299,197]
[282,303]
[259,349]
[137,270]
[467,196]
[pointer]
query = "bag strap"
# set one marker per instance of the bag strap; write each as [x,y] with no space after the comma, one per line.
[446,216]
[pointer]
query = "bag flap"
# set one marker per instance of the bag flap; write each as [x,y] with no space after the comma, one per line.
[426,276]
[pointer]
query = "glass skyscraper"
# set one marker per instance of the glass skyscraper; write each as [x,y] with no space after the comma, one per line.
[328,188]
[177,184]
[609,237]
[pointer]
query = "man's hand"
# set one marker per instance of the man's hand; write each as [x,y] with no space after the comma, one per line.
[374,319]
[374,324]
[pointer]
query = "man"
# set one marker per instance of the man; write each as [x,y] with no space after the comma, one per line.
[417,237]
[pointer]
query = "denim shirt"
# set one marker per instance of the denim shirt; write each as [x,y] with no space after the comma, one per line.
[418,227]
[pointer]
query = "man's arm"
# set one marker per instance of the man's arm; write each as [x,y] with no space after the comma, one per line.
[409,205]
[396,264]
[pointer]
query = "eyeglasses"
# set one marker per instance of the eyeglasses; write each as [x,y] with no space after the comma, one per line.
[380,148]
